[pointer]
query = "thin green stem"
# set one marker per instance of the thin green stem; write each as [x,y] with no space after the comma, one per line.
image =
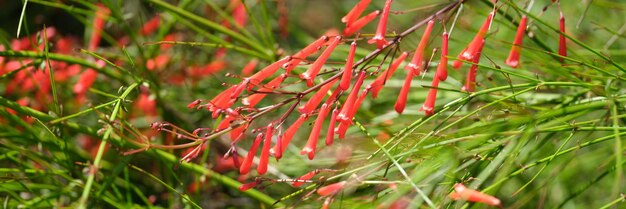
[618,149]
[105,138]
[210,24]
[62,58]
[184,196]
[22,14]
[395,162]
[53,85]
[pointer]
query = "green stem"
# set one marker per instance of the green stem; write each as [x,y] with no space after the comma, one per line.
[620,199]
[62,58]
[105,138]
[53,85]
[19,25]
[618,149]
[395,162]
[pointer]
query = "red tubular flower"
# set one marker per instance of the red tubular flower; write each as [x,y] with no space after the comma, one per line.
[85,81]
[300,180]
[330,134]
[225,122]
[239,13]
[221,101]
[254,99]
[67,72]
[151,26]
[265,151]
[356,105]
[469,51]
[194,104]
[346,77]
[429,104]
[345,124]
[315,100]
[326,204]
[379,38]
[305,52]
[312,72]
[384,76]
[238,132]
[360,23]
[513,59]
[249,185]
[404,92]
[63,45]
[311,144]
[159,62]
[279,143]
[147,104]
[268,71]
[239,88]
[249,68]
[192,153]
[442,68]
[347,105]
[463,193]
[562,40]
[247,162]
[198,72]
[333,96]
[355,12]
[342,129]
[311,48]
[280,147]
[331,189]
[470,83]
[416,63]
[98,24]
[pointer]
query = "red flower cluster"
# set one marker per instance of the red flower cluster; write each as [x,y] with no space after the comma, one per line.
[463,193]
[323,98]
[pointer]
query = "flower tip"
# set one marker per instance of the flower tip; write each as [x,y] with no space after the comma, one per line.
[411,67]
[331,189]
[454,195]
[246,101]
[194,104]
[457,64]
[305,76]
[248,186]
[310,82]
[379,40]
[466,88]
[428,111]
[462,192]
[399,108]
[512,63]
[306,150]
